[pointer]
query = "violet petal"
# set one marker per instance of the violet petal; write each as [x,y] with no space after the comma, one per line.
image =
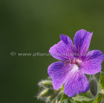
[76,82]
[92,62]
[82,41]
[58,72]
[63,50]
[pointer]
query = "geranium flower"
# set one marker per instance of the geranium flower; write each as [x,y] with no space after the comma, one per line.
[76,61]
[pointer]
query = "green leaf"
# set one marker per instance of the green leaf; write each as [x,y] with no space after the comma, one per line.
[70,100]
[87,94]
[83,98]
[102,79]
[99,98]
[66,99]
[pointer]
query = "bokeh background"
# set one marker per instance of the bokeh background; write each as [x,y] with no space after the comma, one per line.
[31,26]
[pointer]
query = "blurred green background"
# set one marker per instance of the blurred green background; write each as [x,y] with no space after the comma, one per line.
[31,26]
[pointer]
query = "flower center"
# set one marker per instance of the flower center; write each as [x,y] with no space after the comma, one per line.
[74,61]
[77,61]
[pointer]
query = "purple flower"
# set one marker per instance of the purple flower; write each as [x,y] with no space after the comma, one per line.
[75,62]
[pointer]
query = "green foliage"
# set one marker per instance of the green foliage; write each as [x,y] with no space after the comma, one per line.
[99,98]
[102,101]
[46,83]
[57,96]
[83,98]
[102,79]
[66,99]
[46,92]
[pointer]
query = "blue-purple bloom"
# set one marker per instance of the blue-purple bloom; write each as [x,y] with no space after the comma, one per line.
[76,61]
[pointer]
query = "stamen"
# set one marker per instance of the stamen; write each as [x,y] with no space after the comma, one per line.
[74,60]
[67,62]
[70,60]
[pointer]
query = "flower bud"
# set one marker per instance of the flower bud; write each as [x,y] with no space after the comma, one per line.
[54,96]
[93,85]
[46,92]
[46,83]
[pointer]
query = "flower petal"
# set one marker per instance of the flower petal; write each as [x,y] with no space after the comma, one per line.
[58,72]
[82,41]
[76,82]
[63,50]
[92,62]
